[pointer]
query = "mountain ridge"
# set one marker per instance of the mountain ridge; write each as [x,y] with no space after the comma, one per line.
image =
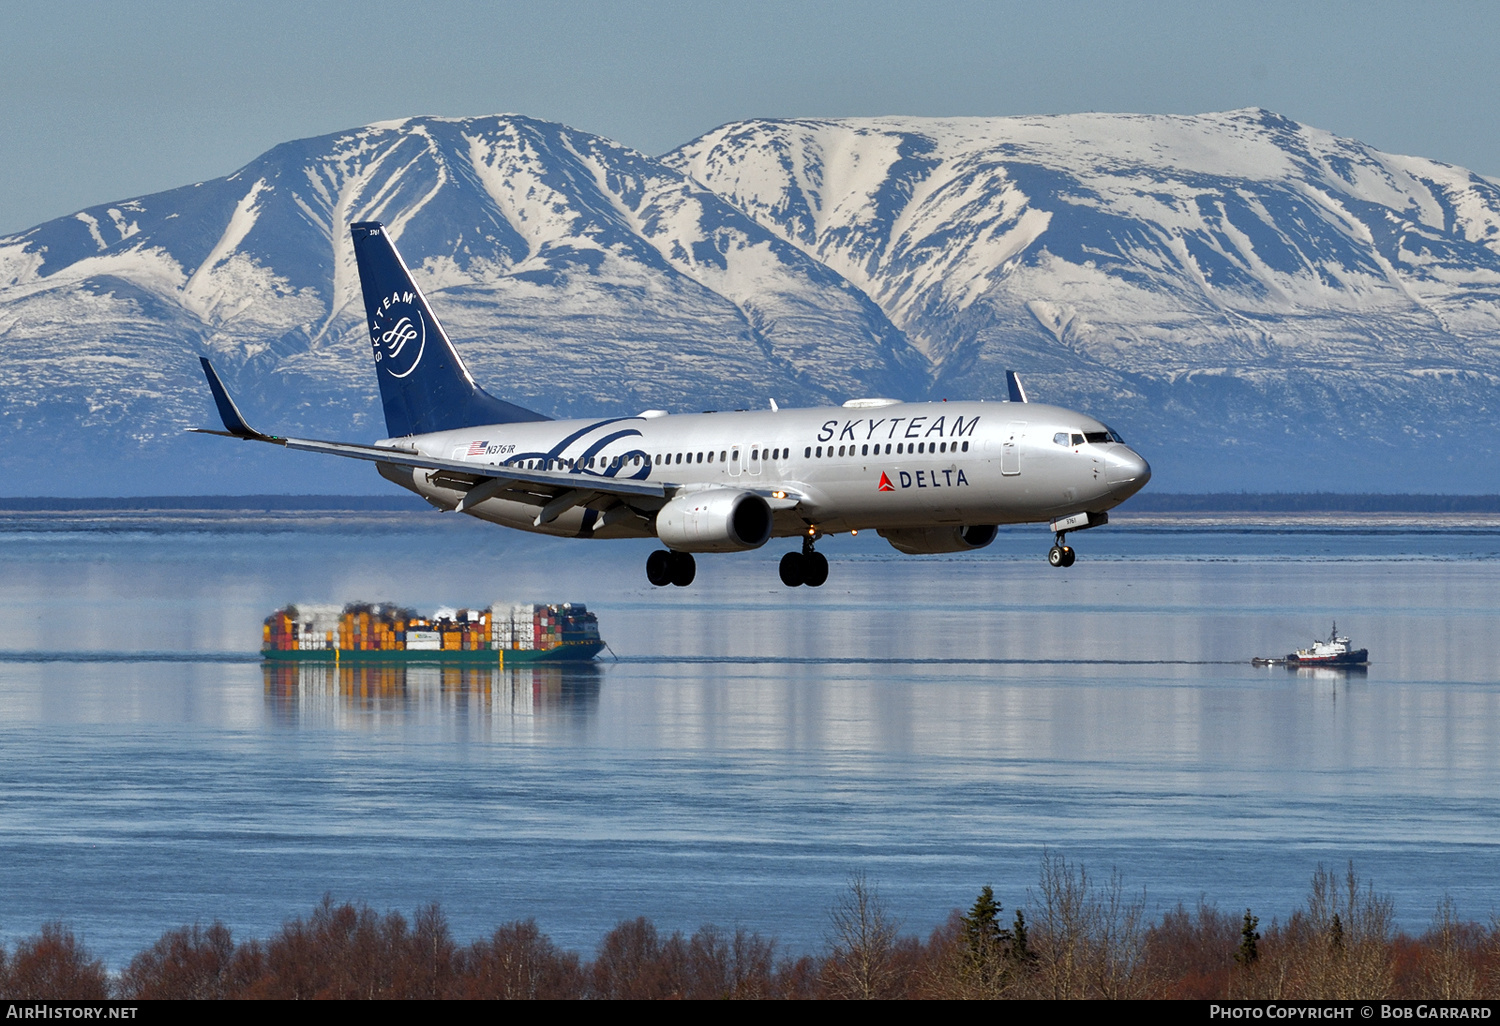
[1256,303]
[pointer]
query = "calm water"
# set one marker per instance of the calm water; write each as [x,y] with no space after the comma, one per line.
[935,722]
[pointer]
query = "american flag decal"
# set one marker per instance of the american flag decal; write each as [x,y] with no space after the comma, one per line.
[477,448]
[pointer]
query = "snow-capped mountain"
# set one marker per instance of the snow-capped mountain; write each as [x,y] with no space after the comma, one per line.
[1263,304]
[1255,303]
[574,274]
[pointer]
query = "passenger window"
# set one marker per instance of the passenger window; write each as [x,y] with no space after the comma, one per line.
[864,450]
[755,454]
[736,454]
[943,447]
[722,456]
[710,456]
[922,447]
[888,449]
[966,447]
[700,457]
[807,453]
[820,451]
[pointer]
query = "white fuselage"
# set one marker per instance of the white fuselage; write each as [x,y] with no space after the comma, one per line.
[892,466]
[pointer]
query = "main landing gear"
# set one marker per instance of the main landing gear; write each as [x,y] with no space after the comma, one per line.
[1061,555]
[664,567]
[805,567]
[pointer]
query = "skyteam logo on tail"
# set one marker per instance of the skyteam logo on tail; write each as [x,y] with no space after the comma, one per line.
[399,334]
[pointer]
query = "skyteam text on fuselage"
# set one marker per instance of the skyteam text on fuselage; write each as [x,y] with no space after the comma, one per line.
[929,477]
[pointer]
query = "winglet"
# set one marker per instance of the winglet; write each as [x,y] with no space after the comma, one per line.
[1013,386]
[234,423]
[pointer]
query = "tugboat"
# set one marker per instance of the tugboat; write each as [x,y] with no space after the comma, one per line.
[1333,652]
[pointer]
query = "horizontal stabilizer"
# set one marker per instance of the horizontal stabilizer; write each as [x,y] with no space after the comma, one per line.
[1013,386]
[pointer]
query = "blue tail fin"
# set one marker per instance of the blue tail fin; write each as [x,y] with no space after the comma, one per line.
[424,385]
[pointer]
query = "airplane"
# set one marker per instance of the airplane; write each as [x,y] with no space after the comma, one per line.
[928,477]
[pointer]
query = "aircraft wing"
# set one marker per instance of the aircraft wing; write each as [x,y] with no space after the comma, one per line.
[554,491]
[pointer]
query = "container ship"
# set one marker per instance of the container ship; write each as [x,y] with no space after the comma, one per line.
[503,634]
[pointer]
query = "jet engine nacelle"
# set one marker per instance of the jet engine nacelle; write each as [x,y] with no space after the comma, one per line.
[714,520]
[925,541]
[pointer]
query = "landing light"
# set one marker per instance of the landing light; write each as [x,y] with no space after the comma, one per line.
[778,495]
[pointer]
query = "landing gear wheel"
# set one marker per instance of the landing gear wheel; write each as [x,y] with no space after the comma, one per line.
[682,568]
[1068,555]
[793,569]
[814,569]
[659,568]
[1056,557]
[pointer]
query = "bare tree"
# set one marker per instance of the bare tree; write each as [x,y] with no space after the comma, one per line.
[1447,970]
[862,962]
[634,963]
[54,964]
[1342,939]
[187,964]
[722,965]
[519,962]
[1090,941]
[1194,953]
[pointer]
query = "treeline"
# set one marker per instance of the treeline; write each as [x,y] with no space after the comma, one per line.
[1076,938]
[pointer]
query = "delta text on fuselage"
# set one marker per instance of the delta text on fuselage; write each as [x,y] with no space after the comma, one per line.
[929,477]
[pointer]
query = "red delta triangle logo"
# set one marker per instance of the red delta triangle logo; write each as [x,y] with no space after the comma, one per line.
[885,483]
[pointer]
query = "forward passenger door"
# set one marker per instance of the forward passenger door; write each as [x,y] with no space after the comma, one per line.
[1010,451]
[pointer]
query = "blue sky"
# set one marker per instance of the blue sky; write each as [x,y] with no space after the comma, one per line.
[104,101]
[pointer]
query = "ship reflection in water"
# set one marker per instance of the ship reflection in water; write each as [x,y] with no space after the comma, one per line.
[309,694]
[1333,674]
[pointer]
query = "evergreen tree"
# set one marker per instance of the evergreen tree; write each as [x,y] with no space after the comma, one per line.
[1249,941]
[1336,934]
[1019,952]
[986,946]
[982,925]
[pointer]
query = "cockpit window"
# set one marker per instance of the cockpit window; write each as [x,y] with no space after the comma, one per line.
[1077,439]
[1097,437]
[1061,438]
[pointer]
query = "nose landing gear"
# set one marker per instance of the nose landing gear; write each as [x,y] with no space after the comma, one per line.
[806,567]
[1061,555]
[664,567]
